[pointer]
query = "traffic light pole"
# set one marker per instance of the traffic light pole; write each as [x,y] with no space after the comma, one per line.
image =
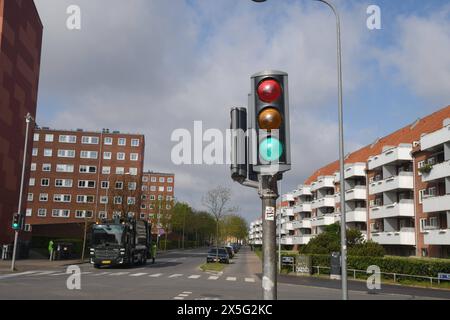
[28,119]
[269,194]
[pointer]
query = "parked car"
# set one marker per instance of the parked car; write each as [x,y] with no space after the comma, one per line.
[230,251]
[218,255]
[236,247]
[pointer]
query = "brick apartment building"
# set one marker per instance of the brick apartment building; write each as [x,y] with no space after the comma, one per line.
[20,55]
[78,176]
[158,194]
[396,193]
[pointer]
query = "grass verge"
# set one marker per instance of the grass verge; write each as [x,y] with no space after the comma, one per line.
[217,267]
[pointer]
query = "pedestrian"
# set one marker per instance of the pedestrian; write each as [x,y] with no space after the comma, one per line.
[153,253]
[50,249]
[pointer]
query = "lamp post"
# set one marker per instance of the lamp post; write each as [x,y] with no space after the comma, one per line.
[28,120]
[341,149]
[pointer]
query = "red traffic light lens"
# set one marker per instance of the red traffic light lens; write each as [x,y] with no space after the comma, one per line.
[269,90]
[270,119]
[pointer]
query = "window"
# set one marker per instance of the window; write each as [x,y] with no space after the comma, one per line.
[133,171]
[160,197]
[420,164]
[64,183]
[48,138]
[431,161]
[42,212]
[89,140]
[132,185]
[107,155]
[122,142]
[30,197]
[85,199]
[48,152]
[29,212]
[66,153]
[422,194]
[45,182]
[168,206]
[152,197]
[131,200]
[89,184]
[67,139]
[35,152]
[108,141]
[68,168]
[43,197]
[102,215]
[103,199]
[432,192]
[65,198]
[118,200]
[134,156]
[144,197]
[153,188]
[153,179]
[105,184]
[142,215]
[169,198]
[143,206]
[161,189]
[135,142]
[169,180]
[119,185]
[144,188]
[33,167]
[46,167]
[120,156]
[81,214]
[120,170]
[36,137]
[60,213]
[169,189]
[88,169]
[144,179]
[32,182]
[88,154]
[162,180]
[106,170]
[117,214]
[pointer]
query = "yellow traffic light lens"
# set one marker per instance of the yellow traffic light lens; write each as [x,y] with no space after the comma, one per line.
[269,119]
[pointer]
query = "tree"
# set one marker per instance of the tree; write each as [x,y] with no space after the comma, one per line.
[182,212]
[217,201]
[235,226]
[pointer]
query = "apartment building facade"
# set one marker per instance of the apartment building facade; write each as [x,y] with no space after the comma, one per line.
[158,195]
[79,175]
[396,191]
[20,56]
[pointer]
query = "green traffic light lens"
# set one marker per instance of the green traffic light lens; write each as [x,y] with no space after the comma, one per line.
[271,149]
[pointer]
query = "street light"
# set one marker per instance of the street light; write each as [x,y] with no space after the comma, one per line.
[341,148]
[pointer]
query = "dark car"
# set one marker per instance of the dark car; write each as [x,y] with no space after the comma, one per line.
[218,255]
[230,251]
[235,247]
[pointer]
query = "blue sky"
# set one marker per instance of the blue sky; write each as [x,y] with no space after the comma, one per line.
[159,65]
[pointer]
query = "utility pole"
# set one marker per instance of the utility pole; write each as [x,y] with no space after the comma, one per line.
[28,120]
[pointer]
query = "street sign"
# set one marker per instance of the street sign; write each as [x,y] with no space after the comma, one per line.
[270,214]
[444,276]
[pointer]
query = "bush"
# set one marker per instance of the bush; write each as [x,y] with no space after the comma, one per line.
[367,249]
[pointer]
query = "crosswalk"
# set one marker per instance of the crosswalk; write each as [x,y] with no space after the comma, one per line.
[169,276]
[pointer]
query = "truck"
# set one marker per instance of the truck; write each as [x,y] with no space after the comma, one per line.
[120,242]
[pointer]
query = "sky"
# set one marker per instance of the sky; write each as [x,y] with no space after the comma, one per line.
[155,66]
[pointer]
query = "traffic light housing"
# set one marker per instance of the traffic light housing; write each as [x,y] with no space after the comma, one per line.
[16,222]
[271,123]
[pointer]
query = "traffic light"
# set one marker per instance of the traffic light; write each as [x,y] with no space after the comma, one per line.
[271,122]
[16,222]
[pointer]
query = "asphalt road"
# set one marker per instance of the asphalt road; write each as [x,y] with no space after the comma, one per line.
[176,275]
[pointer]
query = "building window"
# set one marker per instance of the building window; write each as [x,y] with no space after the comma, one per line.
[169,180]
[64,183]
[132,185]
[106,170]
[88,169]
[29,212]
[144,188]
[108,141]
[67,139]
[89,140]
[46,167]
[162,180]
[118,200]
[142,216]
[134,156]
[119,185]
[67,168]
[120,170]
[153,188]
[131,200]
[66,198]
[48,138]
[81,214]
[45,182]
[169,198]
[105,184]
[143,206]
[43,197]
[135,142]
[120,156]
[66,153]
[30,197]
[153,179]
[88,154]
[168,207]
[169,189]
[152,197]
[133,171]
[107,155]
[88,184]
[42,212]
[36,137]
[144,179]
[35,152]
[60,213]
[103,199]
[161,189]
[32,182]
[33,167]
[48,152]
[102,215]
[122,142]
[85,199]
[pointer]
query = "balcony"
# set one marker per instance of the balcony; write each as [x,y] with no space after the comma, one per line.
[437,237]
[302,224]
[436,204]
[302,191]
[404,208]
[438,171]
[405,180]
[357,193]
[435,138]
[288,197]
[293,240]
[405,237]
[289,226]
[304,207]
[257,242]
[327,201]
[287,212]
[400,153]
[323,182]
[357,215]
[325,220]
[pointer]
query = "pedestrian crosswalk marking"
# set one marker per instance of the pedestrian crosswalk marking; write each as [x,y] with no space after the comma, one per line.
[176,275]
[179,298]
[137,274]
[156,275]
[249,280]
[231,279]
[44,273]
[119,274]
[213,278]
[194,277]
[183,295]
[101,274]
[17,274]
[58,274]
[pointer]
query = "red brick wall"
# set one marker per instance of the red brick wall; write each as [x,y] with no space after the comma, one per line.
[20,55]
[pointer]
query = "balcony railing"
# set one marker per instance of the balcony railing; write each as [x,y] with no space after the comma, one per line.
[404,208]
[327,201]
[406,236]
[436,138]
[389,156]
[304,207]
[440,237]
[438,171]
[436,204]
[323,182]
[325,220]
[405,180]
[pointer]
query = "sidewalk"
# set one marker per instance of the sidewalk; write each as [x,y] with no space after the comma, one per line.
[37,264]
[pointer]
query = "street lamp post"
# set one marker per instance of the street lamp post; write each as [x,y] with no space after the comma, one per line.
[341,149]
[28,120]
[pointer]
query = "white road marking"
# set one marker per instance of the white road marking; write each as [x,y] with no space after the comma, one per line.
[231,279]
[119,274]
[17,274]
[187,292]
[44,273]
[137,274]
[194,277]
[156,275]
[86,272]
[59,274]
[213,278]
[249,280]
[101,274]
[176,275]
[183,295]
[179,298]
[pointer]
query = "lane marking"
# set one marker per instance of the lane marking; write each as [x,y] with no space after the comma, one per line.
[183,295]
[187,292]
[17,274]
[249,280]
[231,279]
[44,273]
[119,274]
[176,275]
[138,274]
[101,274]
[156,275]
[179,298]
[194,276]
[213,278]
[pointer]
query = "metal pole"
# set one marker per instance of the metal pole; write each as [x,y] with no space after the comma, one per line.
[279,235]
[269,194]
[341,153]
[28,119]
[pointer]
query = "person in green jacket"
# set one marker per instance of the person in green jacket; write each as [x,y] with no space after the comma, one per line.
[153,253]
[50,249]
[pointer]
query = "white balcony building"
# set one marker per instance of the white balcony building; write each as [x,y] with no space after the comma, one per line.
[391,155]
[404,237]
[404,208]
[327,201]
[405,180]
[323,182]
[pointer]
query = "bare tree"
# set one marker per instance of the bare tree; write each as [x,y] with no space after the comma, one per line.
[217,201]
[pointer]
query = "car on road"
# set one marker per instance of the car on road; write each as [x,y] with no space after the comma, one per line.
[236,247]
[218,255]
[230,251]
